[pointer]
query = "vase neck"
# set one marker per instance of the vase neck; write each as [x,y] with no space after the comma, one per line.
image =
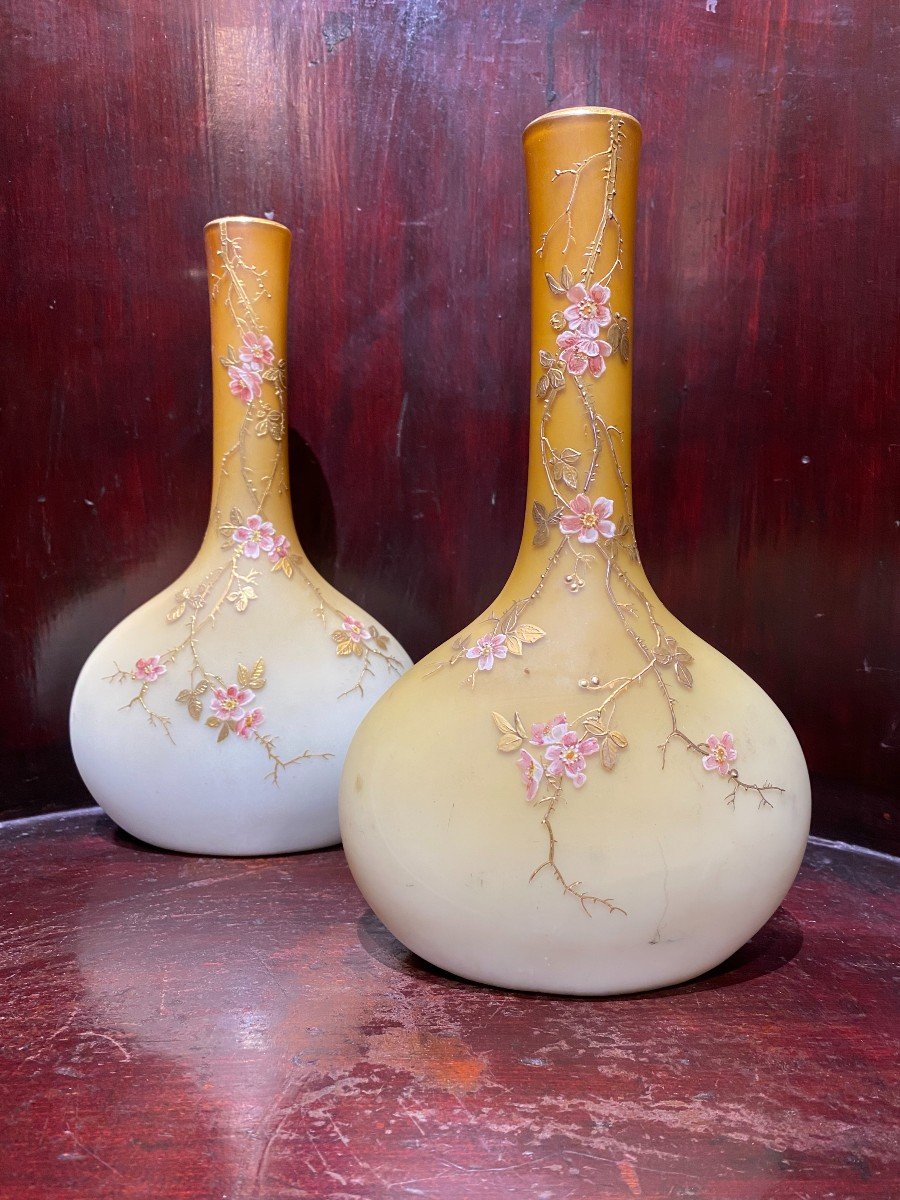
[247,264]
[582,179]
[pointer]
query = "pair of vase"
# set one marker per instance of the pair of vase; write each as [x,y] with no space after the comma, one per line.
[573,795]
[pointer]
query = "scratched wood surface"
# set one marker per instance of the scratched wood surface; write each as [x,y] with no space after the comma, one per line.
[388,137]
[189,1028]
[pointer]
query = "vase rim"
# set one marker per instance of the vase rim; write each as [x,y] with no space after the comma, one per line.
[242,220]
[588,110]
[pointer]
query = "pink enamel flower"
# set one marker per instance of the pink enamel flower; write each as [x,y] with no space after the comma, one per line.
[244,382]
[281,548]
[721,753]
[255,535]
[257,351]
[588,521]
[553,731]
[249,722]
[581,353]
[532,773]
[587,313]
[228,703]
[487,648]
[148,669]
[568,754]
[356,630]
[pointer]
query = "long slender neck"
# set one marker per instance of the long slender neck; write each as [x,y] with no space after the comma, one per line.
[582,181]
[247,262]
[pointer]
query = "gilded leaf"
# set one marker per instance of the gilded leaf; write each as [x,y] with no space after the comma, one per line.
[509,742]
[543,387]
[553,285]
[213,722]
[177,611]
[256,679]
[683,675]
[565,278]
[345,647]
[520,728]
[183,696]
[558,321]
[569,477]
[223,733]
[556,378]
[593,726]
[541,536]
[243,675]
[195,707]
[508,621]
[513,645]
[619,738]
[530,633]
[502,724]
[235,516]
[546,359]
[609,752]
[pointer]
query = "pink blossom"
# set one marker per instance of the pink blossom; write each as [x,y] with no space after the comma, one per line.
[257,351]
[568,754]
[244,382]
[249,722]
[721,753]
[532,773]
[281,547]
[148,669]
[544,735]
[581,353]
[588,520]
[587,313]
[228,703]
[356,630]
[487,648]
[255,535]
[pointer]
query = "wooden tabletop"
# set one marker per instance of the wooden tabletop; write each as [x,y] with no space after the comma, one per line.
[179,1028]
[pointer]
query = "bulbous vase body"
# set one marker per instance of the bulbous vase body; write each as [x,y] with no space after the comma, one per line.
[215,719]
[576,794]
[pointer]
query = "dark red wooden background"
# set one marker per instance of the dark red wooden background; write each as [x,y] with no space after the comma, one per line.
[387,135]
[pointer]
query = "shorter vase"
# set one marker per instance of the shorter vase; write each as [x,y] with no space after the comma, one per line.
[216,717]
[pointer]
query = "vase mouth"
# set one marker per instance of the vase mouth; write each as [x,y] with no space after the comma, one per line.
[241,220]
[561,114]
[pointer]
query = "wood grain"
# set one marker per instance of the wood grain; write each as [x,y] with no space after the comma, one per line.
[388,137]
[192,1028]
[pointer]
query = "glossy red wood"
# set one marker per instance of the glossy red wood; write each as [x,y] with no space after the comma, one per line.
[388,137]
[192,1028]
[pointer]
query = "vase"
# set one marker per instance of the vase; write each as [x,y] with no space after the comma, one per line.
[576,794]
[216,717]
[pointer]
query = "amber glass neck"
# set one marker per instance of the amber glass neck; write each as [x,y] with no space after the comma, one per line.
[582,167]
[247,262]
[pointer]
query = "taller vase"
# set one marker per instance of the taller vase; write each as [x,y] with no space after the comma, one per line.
[215,719]
[576,794]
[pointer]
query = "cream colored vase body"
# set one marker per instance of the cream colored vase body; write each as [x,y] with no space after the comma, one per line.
[576,794]
[215,719]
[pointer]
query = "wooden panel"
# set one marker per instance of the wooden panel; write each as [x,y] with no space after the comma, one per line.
[192,1028]
[388,137]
